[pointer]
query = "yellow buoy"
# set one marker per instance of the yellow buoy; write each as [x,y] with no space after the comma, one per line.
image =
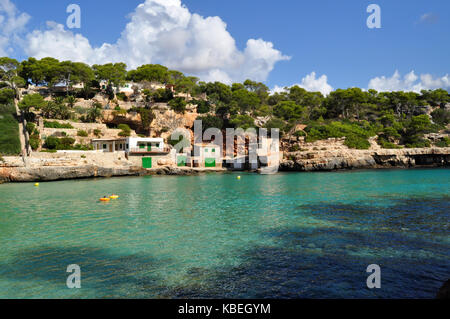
[37,184]
[238,177]
[114,196]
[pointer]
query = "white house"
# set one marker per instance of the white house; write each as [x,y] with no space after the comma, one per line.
[145,145]
[127,88]
[110,145]
[207,155]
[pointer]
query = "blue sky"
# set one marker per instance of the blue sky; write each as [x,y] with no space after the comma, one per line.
[328,37]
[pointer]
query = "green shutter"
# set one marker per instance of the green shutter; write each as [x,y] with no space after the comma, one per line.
[210,162]
[181,161]
[147,162]
[149,147]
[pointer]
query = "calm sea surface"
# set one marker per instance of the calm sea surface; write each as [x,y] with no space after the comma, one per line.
[299,235]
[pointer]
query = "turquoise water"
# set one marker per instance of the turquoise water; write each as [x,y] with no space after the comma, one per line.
[299,235]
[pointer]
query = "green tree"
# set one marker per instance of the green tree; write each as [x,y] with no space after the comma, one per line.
[289,110]
[113,73]
[31,101]
[6,96]
[9,72]
[246,100]
[178,104]
[210,121]
[152,73]
[242,121]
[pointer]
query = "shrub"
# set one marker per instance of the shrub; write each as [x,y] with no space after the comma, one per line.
[6,96]
[386,144]
[276,123]
[34,143]
[124,127]
[202,106]
[126,130]
[122,97]
[9,131]
[82,133]
[445,142]
[210,121]
[48,124]
[54,143]
[357,142]
[356,133]
[441,116]
[178,104]
[97,132]
[418,142]
[30,128]
[299,133]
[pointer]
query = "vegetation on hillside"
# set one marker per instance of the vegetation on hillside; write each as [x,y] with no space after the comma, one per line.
[9,131]
[399,119]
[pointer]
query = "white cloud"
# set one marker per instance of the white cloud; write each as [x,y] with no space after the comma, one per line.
[409,82]
[11,24]
[165,32]
[429,18]
[310,83]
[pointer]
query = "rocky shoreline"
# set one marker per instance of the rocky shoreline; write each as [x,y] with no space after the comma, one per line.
[362,159]
[46,174]
[45,169]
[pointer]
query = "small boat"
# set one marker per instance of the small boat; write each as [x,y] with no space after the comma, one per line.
[114,196]
[105,199]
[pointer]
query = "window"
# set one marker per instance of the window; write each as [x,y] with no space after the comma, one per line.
[213,150]
[104,146]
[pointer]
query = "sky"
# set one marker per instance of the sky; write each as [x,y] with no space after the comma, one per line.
[320,45]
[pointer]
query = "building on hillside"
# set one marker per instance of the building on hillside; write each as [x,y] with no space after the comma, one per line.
[145,145]
[110,145]
[141,151]
[62,87]
[207,155]
[132,145]
[126,88]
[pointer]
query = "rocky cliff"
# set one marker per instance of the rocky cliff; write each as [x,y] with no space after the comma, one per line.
[333,155]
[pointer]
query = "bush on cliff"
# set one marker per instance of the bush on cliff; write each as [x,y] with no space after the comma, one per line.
[125,130]
[178,105]
[55,143]
[82,133]
[9,131]
[48,124]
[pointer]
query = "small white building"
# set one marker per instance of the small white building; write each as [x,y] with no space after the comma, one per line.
[145,145]
[110,145]
[127,88]
[207,155]
[137,145]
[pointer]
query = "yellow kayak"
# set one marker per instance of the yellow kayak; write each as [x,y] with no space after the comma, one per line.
[114,196]
[105,199]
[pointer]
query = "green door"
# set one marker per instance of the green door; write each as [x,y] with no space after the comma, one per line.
[147,162]
[210,162]
[181,161]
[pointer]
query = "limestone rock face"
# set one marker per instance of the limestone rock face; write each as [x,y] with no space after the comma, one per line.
[359,159]
[167,121]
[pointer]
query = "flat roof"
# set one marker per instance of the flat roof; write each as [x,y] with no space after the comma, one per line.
[108,139]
